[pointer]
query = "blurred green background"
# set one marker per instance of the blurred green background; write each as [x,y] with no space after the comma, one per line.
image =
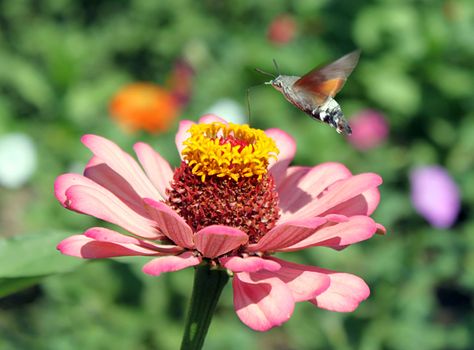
[61,62]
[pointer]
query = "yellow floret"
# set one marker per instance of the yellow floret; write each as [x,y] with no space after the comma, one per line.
[205,154]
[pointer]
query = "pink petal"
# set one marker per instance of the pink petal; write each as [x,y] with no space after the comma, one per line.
[344,294]
[287,234]
[211,118]
[170,223]
[249,264]
[182,134]
[64,181]
[372,198]
[102,174]
[106,235]
[261,302]
[88,248]
[122,163]
[215,240]
[89,198]
[100,203]
[156,167]
[302,187]
[336,218]
[338,235]
[289,183]
[302,280]
[287,146]
[339,192]
[170,263]
[363,204]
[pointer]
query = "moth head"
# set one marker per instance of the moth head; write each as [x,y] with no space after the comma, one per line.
[277,83]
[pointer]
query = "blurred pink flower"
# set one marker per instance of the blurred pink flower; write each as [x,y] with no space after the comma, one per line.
[369,129]
[180,82]
[282,29]
[187,217]
[435,195]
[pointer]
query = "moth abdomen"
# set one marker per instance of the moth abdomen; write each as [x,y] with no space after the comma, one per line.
[331,113]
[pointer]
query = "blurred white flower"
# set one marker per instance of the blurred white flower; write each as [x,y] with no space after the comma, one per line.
[229,110]
[18,159]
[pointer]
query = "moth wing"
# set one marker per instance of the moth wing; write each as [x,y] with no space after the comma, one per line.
[327,81]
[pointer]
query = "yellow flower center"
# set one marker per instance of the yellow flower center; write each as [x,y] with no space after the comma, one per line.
[228,150]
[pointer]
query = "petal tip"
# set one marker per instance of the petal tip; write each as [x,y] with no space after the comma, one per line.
[86,138]
[380,229]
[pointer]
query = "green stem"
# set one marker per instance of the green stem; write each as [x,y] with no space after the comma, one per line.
[208,285]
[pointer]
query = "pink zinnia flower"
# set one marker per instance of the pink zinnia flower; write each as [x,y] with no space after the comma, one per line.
[369,130]
[233,204]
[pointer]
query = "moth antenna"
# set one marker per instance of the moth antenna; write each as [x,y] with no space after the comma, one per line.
[276,66]
[265,73]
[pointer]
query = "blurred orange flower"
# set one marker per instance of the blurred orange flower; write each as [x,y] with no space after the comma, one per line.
[144,106]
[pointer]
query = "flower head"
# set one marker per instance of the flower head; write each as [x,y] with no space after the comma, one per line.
[228,150]
[144,106]
[233,203]
[435,195]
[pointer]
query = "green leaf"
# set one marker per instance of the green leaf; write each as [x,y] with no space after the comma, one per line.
[11,285]
[34,254]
